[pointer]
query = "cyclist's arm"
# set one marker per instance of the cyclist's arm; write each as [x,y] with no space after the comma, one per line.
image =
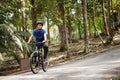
[45,37]
[30,38]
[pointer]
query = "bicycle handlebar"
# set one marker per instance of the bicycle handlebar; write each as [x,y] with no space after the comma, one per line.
[39,43]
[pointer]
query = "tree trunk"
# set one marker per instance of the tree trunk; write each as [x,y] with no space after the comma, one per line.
[119,16]
[93,20]
[79,30]
[69,29]
[101,27]
[70,34]
[60,32]
[109,22]
[23,21]
[33,14]
[113,24]
[95,29]
[104,19]
[64,44]
[48,29]
[65,35]
[22,15]
[89,27]
[86,35]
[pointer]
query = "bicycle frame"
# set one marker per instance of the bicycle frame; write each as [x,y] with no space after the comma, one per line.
[39,44]
[38,49]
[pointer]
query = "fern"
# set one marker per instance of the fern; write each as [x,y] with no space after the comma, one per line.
[10,41]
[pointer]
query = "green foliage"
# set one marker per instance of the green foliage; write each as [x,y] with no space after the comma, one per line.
[8,37]
[116,5]
[11,42]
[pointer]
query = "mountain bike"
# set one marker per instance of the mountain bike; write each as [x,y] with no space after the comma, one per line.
[36,59]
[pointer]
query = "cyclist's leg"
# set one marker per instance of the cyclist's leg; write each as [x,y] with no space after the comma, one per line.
[45,47]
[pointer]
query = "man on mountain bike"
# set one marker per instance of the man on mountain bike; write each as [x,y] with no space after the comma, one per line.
[41,36]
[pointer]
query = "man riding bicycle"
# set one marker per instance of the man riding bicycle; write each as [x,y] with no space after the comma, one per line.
[41,36]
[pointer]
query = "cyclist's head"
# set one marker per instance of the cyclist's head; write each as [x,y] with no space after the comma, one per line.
[39,25]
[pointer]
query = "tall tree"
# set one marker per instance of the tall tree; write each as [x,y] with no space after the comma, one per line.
[79,29]
[64,43]
[33,14]
[104,18]
[22,14]
[86,35]
[48,29]
[110,38]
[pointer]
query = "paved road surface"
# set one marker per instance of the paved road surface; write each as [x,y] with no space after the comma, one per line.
[97,67]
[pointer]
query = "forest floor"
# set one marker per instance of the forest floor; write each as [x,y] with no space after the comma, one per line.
[76,52]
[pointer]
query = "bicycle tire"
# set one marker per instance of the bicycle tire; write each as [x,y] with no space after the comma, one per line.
[35,69]
[45,66]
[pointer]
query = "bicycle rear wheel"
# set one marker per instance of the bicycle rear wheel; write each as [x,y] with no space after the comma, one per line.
[34,62]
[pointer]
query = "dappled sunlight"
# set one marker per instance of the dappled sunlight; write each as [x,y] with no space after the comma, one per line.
[55,58]
[1,58]
[117,37]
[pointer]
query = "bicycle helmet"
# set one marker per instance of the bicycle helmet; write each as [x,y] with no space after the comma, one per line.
[39,22]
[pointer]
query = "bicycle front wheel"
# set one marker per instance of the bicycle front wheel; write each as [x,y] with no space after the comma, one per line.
[34,62]
[45,66]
